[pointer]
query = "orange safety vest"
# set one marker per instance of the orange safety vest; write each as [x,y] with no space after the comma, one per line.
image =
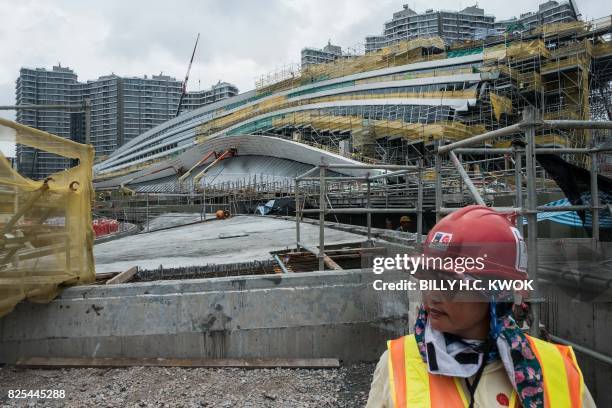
[412,386]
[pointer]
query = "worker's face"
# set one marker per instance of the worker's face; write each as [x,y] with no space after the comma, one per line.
[454,316]
[404,223]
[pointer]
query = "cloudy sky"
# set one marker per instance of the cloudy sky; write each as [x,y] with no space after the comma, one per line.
[240,39]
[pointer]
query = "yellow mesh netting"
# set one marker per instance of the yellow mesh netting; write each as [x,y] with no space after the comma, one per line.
[401,53]
[559,28]
[368,130]
[47,237]
[501,104]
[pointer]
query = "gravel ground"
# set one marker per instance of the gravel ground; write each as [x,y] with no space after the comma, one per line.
[191,387]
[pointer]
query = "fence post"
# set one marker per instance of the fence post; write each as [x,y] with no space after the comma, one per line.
[529,117]
[147,212]
[369,214]
[438,186]
[518,181]
[322,208]
[419,237]
[297,214]
[594,200]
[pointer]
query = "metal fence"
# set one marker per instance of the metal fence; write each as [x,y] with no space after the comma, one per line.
[525,203]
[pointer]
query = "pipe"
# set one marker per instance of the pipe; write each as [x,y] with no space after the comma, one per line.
[372,166]
[577,124]
[297,214]
[480,138]
[482,150]
[448,210]
[466,178]
[391,174]
[369,214]
[518,168]
[281,264]
[361,210]
[308,173]
[341,178]
[584,350]
[322,208]
[543,208]
[438,191]
[529,115]
[561,150]
[419,237]
[594,200]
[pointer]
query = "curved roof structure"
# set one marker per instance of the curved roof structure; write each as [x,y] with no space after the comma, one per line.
[254,154]
[365,91]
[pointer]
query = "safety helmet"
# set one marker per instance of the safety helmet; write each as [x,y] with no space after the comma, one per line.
[489,238]
[405,218]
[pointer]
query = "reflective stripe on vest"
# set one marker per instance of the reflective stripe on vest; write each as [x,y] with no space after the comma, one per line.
[411,385]
[559,390]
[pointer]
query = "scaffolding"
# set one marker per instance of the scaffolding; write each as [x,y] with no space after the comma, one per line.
[564,71]
[557,70]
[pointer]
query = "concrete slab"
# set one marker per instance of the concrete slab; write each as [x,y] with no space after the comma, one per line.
[199,244]
[171,220]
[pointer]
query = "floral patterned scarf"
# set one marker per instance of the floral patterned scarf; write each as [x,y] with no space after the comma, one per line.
[527,369]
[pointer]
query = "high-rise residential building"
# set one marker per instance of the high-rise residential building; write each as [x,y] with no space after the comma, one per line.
[548,13]
[219,91]
[124,107]
[43,87]
[145,103]
[121,109]
[329,53]
[450,25]
[471,23]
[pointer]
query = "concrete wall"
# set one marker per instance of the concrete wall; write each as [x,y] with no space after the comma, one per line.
[318,314]
[586,323]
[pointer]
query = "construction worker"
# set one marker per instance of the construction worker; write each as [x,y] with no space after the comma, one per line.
[466,349]
[404,222]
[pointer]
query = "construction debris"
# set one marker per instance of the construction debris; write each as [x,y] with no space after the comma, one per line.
[207,271]
[124,276]
[343,387]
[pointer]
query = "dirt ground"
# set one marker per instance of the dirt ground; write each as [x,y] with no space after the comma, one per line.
[347,386]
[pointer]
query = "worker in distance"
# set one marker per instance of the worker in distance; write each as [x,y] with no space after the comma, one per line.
[466,349]
[404,223]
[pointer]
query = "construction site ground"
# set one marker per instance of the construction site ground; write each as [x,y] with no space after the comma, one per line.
[346,386]
[237,239]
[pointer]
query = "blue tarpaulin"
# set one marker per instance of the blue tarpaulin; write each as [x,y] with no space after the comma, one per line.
[572,218]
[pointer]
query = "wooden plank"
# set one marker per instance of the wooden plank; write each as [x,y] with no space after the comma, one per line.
[331,263]
[123,277]
[88,362]
[106,275]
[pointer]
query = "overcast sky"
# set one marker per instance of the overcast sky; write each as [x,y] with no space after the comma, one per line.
[240,39]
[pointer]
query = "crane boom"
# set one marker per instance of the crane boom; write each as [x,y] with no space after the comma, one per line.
[184,89]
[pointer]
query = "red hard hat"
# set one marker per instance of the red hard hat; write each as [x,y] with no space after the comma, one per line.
[482,234]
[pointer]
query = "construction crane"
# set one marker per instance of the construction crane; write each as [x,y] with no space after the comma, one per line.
[184,90]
